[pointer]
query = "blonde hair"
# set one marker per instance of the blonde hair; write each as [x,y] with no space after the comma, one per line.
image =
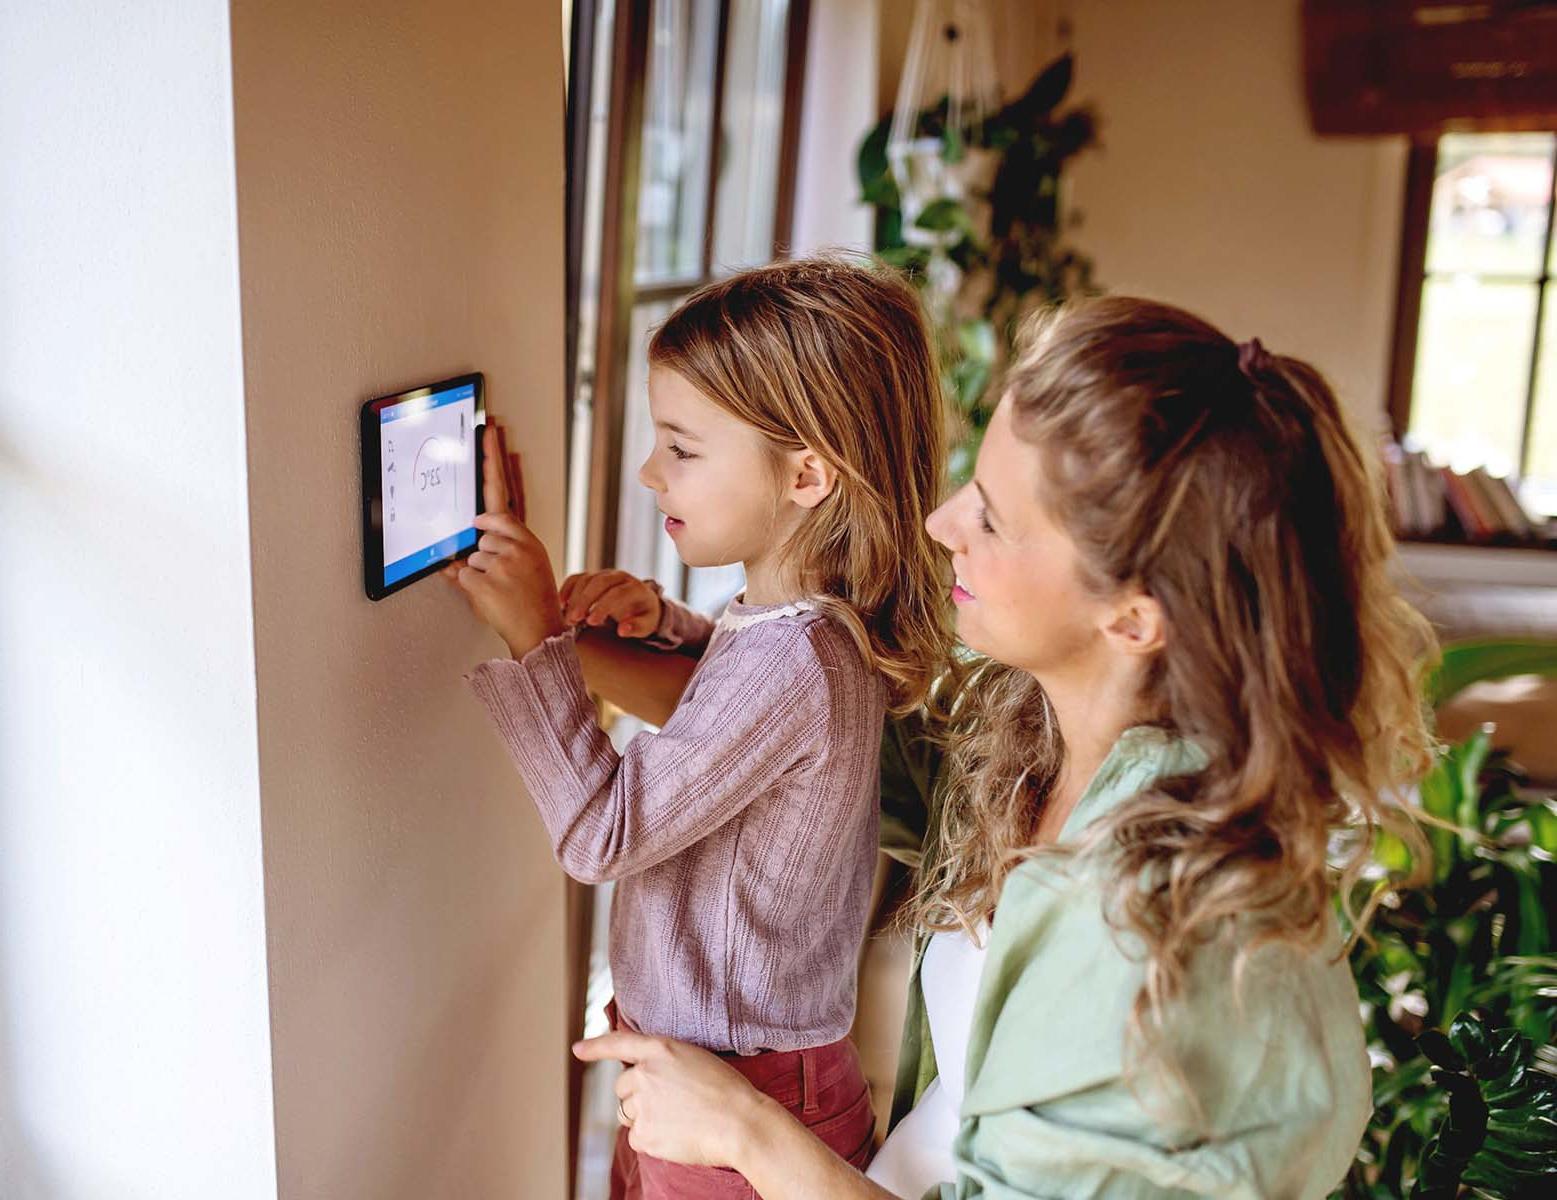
[834,356]
[1224,484]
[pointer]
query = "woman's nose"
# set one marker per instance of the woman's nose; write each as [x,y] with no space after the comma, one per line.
[941,525]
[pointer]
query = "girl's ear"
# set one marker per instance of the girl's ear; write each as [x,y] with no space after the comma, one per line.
[1137,625]
[811,478]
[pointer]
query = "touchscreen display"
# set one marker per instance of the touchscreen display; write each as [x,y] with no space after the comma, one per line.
[427,477]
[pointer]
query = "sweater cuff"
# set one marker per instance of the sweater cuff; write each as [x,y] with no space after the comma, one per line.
[665,635]
[543,713]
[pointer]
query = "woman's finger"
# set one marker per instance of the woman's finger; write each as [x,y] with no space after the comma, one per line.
[618,1046]
[482,560]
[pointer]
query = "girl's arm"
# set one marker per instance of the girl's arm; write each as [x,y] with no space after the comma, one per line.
[757,712]
[646,683]
[687,1106]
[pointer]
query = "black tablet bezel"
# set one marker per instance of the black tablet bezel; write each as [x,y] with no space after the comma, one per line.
[372,488]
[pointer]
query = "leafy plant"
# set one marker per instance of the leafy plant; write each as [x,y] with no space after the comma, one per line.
[1470,1108]
[1007,240]
[1500,1137]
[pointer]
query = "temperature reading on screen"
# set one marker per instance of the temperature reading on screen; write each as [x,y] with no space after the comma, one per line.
[427,479]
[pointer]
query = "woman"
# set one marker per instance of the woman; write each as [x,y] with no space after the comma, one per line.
[1198,676]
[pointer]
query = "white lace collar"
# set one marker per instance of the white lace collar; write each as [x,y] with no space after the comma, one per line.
[732,620]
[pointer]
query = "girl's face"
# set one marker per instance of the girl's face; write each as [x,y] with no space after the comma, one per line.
[1019,595]
[715,476]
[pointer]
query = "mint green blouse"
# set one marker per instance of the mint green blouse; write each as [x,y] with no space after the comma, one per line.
[1278,1065]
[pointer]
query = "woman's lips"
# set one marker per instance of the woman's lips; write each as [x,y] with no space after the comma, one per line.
[960,594]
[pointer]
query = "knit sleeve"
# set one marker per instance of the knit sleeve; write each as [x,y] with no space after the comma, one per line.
[752,712]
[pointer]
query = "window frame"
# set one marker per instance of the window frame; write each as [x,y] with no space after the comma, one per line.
[1421,173]
[620,292]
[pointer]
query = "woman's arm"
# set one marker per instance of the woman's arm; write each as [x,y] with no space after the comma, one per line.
[687,1106]
[646,683]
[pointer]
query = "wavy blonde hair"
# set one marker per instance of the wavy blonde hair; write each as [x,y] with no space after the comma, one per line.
[1236,497]
[834,355]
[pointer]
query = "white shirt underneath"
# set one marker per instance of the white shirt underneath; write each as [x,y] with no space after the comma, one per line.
[918,1153]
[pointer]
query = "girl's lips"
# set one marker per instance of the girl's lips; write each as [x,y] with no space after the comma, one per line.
[672,525]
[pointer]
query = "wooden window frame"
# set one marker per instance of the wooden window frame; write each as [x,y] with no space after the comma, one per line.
[620,291]
[1421,173]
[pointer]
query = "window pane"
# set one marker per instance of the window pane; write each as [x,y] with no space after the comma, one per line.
[1539,488]
[1472,372]
[643,548]
[677,129]
[1490,199]
[753,133]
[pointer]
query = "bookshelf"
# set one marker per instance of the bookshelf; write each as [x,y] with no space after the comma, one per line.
[1479,565]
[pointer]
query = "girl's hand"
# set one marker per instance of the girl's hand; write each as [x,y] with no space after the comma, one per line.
[509,583]
[681,1102]
[595,597]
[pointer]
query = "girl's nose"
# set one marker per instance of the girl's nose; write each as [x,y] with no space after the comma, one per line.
[649,477]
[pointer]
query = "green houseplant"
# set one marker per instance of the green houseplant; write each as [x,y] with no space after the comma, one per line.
[1457,977]
[1006,237]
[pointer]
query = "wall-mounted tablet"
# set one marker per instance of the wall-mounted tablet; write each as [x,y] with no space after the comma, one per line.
[421,472]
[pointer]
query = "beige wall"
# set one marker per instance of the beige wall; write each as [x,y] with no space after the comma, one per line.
[400,188]
[1210,191]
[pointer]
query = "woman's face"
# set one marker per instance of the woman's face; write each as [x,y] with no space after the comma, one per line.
[1019,595]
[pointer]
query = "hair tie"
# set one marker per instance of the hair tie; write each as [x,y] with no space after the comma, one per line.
[1253,360]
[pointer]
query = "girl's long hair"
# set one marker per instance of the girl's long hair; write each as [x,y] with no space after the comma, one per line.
[1223,482]
[833,355]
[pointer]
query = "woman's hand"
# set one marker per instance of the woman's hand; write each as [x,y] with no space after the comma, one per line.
[681,1103]
[595,597]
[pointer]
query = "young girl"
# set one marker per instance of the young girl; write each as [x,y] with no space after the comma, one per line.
[797,421]
[1131,983]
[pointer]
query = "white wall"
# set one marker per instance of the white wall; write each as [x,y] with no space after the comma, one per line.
[214,244]
[400,191]
[134,1049]
[838,107]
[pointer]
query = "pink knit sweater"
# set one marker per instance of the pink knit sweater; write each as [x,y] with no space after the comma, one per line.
[742,835]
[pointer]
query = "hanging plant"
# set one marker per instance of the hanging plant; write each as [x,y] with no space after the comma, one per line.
[1006,234]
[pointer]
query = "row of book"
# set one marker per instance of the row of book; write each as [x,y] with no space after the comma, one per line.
[1431,502]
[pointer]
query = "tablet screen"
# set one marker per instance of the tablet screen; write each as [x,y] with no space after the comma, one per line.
[427,479]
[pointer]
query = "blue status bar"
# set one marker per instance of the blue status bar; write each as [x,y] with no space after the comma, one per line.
[412,563]
[421,404]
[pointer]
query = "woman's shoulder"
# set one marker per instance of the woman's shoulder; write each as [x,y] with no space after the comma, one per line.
[1253,1015]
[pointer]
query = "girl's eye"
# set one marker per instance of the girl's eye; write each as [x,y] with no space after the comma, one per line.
[679,452]
[984,521]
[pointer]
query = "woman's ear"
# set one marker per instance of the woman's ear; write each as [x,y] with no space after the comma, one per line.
[1137,625]
[811,478]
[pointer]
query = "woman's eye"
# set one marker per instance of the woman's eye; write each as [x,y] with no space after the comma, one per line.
[679,452]
[984,521]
